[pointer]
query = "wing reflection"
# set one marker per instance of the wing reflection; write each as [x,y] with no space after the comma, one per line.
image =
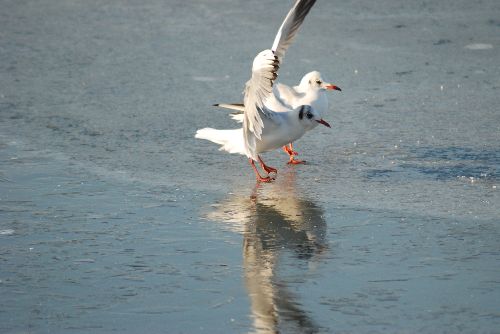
[279,226]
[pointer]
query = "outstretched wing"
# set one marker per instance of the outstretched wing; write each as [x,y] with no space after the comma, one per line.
[257,90]
[264,72]
[290,26]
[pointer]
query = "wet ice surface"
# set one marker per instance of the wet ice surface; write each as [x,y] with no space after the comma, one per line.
[114,218]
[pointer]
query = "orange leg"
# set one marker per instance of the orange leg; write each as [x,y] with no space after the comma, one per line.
[286,149]
[257,175]
[289,150]
[267,168]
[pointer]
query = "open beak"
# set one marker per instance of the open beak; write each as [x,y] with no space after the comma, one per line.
[325,123]
[332,87]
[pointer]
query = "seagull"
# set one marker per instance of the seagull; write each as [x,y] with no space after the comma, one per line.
[268,123]
[310,91]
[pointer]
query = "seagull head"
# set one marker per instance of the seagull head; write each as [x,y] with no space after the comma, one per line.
[314,81]
[310,118]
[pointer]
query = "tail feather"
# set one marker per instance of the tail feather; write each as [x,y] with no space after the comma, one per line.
[237,117]
[239,108]
[230,140]
[232,106]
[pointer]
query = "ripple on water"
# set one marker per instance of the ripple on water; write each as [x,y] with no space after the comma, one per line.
[7,232]
[479,46]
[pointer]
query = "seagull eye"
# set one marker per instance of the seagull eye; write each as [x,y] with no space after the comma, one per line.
[318,82]
[309,115]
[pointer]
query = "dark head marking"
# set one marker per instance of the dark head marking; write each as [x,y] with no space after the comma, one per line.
[301,112]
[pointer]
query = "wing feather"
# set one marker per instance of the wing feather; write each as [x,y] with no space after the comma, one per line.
[290,26]
[257,90]
[264,72]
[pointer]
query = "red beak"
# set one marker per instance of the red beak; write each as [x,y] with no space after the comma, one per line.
[332,87]
[325,123]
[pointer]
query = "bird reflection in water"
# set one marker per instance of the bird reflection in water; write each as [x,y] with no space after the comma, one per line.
[278,224]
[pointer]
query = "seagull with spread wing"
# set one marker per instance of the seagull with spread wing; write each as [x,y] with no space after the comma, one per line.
[310,91]
[268,123]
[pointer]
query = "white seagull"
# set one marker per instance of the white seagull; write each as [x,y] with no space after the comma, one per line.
[268,123]
[310,91]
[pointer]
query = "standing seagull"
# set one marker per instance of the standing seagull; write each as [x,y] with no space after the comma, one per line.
[268,123]
[310,91]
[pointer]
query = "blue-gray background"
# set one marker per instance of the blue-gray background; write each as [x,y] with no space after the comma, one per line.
[114,218]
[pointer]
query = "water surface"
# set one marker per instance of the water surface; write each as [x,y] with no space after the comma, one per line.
[114,218]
